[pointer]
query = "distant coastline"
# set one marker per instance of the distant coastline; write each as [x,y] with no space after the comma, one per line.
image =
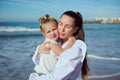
[104,21]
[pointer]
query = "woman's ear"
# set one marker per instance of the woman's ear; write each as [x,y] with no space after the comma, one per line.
[75,30]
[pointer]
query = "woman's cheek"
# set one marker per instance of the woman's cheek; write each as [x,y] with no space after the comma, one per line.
[69,33]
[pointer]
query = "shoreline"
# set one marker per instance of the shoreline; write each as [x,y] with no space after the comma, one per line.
[109,77]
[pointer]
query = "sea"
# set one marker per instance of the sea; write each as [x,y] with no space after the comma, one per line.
[18,42]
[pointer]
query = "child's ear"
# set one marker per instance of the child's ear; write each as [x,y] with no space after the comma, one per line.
[43,33]
[41,30]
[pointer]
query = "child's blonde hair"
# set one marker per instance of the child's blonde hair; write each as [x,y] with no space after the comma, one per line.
[46,19]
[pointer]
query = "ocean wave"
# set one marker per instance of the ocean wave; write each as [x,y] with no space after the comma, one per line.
[105,58]
[20,35]
[18,29]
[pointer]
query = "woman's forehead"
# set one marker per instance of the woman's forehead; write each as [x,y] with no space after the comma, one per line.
[66,17]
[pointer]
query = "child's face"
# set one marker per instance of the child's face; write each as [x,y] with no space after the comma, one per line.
[51,30]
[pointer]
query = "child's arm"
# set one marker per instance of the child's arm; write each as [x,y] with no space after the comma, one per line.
[71,41]
[58,50]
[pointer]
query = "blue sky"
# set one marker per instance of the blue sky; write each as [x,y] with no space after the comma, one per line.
[31,10]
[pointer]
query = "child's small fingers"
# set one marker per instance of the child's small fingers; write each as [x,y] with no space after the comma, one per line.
[47,48]
[45,42]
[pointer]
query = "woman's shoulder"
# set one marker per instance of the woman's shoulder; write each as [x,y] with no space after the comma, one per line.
[80,43]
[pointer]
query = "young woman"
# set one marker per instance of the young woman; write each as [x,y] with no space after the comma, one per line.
[72,63]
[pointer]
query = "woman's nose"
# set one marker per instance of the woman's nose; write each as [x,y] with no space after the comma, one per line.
[62,29]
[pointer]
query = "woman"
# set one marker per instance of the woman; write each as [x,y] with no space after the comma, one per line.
[72,62]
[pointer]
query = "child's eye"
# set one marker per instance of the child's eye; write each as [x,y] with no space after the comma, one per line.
[48,32]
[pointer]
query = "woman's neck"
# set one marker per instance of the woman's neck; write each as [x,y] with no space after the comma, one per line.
[65,40]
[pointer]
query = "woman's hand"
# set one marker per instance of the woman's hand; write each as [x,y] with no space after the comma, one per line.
[43,49]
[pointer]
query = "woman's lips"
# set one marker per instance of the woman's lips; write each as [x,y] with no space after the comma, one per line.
[62,34]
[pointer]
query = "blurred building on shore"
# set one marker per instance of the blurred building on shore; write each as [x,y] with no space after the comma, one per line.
[106,20]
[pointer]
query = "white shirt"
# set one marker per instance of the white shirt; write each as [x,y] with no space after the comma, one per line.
[44,63]
[68,66]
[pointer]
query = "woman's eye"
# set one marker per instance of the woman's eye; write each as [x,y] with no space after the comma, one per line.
[54,29]
[68,26]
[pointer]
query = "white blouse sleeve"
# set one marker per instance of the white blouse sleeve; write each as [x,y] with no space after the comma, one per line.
[66,63]
[36,58]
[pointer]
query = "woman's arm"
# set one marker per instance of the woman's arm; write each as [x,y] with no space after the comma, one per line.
[58,50]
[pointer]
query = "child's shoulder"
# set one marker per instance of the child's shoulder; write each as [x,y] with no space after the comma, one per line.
[38,46]
[50,40]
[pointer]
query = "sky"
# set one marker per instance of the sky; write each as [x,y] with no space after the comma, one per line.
[31,10]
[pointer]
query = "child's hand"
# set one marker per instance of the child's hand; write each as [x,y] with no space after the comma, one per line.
[43,48]
[71,41]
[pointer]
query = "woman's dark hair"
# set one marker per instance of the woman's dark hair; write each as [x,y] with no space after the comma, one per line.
[79,34]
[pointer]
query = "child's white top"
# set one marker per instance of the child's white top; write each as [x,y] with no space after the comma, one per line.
[45,62]
[68,66]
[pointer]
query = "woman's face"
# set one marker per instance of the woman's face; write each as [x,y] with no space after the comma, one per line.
[51,30]
[66,27]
